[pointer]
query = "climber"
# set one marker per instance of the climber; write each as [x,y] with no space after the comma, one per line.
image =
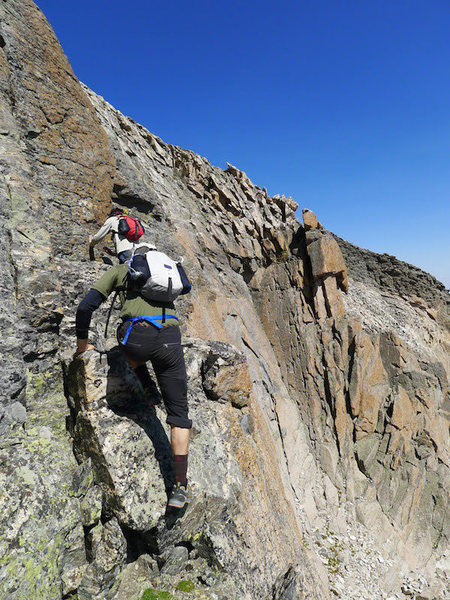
[157,339]
[123,244]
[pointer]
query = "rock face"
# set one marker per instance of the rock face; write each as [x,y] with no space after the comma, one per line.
[328,268]
[318,376]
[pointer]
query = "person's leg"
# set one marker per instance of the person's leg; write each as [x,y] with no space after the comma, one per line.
[137,353]
[166,354]
[179,440]
[142,373]
[151,394]
[170,370]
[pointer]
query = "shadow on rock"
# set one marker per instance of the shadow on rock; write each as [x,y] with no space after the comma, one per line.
[125,398]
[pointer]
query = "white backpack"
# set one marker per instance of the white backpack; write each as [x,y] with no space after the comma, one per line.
[157,277]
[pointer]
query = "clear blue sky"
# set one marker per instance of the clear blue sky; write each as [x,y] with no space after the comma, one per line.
[342,104]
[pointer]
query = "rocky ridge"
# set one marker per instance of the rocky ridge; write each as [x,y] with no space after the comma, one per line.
[390,275]
[319,459]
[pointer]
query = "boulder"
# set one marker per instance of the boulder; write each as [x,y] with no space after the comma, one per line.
[368,384]
[124,440]
[226,376]
[107,554]
[326,259]
[310,220]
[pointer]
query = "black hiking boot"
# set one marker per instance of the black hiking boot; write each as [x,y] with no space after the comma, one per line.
[179,496]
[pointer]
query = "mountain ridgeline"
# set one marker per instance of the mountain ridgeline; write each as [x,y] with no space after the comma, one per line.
[318,376]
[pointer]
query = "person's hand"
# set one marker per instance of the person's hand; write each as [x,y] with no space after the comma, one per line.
[82,346]
[90,240]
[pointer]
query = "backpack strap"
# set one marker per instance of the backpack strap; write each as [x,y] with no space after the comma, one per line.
[130,260]
[150,318]
[113,231]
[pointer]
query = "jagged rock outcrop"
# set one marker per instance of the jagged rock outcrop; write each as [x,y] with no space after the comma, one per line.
[328,268]
[52,150]
[228,529]
[319,457]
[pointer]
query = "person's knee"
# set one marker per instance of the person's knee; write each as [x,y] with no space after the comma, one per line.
[173,390]
[181,421]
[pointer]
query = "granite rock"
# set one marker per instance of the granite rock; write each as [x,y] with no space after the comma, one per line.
[319,457]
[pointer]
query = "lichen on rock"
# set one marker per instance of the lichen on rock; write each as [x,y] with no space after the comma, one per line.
[318,375]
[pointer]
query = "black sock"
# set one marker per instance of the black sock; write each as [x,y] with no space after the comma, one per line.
[144,376]
[180,465]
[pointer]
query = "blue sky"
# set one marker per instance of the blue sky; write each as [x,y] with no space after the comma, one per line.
[342,104]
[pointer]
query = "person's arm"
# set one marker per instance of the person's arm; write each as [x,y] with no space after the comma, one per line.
[107,226]
[96,295]
[90,302]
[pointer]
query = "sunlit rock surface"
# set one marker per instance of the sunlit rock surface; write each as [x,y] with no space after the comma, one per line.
[318,375]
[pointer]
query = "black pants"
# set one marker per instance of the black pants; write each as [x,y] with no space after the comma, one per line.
[163,348]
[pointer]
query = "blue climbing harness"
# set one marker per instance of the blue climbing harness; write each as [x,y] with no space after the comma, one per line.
[153,319]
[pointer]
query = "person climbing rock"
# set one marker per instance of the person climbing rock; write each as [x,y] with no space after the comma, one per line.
[149,331]
[124,241]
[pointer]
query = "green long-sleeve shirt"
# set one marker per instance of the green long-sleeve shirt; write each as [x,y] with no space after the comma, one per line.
[133,305]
